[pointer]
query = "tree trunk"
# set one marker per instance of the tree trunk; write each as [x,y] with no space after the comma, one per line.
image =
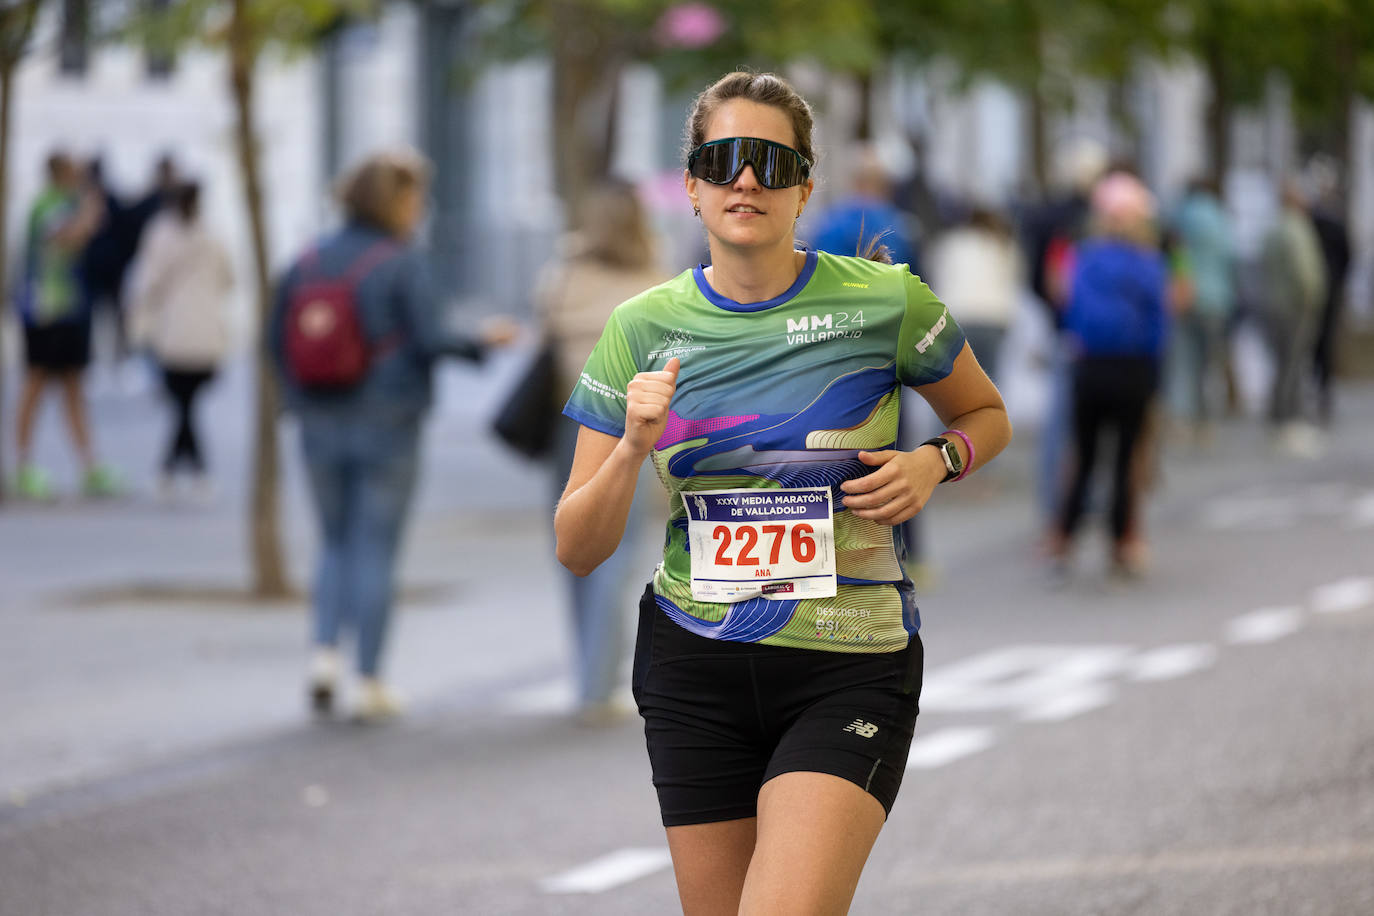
[863,126]
[1038,115]
[269,573]
[6,85]
[1218,113]
[16,26]
[587,63]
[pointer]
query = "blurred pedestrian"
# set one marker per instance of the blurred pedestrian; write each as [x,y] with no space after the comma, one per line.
[867,212]
[977,270]
[1334,237]
[1052,233]
[1117,321]
[778,662]
[1294,291]
[610,260]
[105,260]
[355,332]
[55,310]
[167,179]
[1198,353]
[179,311]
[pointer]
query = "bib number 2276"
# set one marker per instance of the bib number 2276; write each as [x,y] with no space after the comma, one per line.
[776,544]
[746,539]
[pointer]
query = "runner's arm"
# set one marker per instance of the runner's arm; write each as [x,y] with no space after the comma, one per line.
[968,401]
[590,519]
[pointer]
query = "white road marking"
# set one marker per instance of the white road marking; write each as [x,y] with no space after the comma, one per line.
[611,870]
[1070,703]
[1264,625]
[1020,677]
[1169,662]
[946,746]
[1343,596]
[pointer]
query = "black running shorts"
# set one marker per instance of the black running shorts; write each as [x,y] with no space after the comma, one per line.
[63,346]
[722,718]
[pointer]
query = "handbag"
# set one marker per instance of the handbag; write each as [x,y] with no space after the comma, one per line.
[526,419]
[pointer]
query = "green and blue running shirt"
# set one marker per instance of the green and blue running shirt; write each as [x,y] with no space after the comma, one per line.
[783,393]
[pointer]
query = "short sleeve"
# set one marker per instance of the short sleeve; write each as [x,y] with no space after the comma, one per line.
[598,398]
[930,339]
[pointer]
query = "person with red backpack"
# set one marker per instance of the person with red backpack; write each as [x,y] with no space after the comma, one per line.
[354,334]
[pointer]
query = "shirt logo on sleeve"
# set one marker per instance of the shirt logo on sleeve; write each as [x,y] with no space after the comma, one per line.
[924,343]
[596,386]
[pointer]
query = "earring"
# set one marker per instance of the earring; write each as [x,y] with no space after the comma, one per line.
[696,211]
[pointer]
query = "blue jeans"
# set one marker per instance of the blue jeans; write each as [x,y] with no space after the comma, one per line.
[362,473]
[1197,351]
[1055,429]
[600,602]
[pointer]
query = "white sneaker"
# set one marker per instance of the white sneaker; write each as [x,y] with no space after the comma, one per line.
[377,703]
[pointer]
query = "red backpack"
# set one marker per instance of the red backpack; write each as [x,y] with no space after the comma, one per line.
[326,346]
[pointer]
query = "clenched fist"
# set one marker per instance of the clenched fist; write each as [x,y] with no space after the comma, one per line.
[646,406]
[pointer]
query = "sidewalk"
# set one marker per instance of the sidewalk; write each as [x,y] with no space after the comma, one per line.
[129,631]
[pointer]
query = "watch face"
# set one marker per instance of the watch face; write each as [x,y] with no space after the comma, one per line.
[953,460]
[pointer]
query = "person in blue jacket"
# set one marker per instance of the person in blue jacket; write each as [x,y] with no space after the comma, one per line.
[361,443]
[1117,320]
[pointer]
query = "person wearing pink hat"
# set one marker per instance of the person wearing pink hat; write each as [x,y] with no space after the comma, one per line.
[1117,318]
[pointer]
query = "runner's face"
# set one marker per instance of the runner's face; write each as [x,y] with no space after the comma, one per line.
[743,213]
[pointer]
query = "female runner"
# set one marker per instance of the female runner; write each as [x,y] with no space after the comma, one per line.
[778,666]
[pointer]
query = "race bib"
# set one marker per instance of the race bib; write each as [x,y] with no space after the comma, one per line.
[775,544]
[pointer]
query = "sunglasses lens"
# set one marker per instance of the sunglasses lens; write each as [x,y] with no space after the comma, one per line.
[718,163]
[775,165]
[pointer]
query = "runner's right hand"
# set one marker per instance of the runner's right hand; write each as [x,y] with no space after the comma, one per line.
[646,406]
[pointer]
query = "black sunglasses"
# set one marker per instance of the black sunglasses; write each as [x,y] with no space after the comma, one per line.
[721,161]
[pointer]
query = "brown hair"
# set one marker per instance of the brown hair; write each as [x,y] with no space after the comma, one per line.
[615,230]
[763,88]
[369,193]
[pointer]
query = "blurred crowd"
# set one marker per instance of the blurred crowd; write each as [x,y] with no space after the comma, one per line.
[147,267]
[1141,302]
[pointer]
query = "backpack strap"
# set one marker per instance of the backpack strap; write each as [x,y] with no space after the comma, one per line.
[374,255]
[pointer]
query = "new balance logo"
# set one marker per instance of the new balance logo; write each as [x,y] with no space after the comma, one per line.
[861,728]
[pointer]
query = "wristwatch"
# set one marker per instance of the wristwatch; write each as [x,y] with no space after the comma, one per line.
[954,462]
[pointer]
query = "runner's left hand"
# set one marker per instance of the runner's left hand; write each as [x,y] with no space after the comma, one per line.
[898,489]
